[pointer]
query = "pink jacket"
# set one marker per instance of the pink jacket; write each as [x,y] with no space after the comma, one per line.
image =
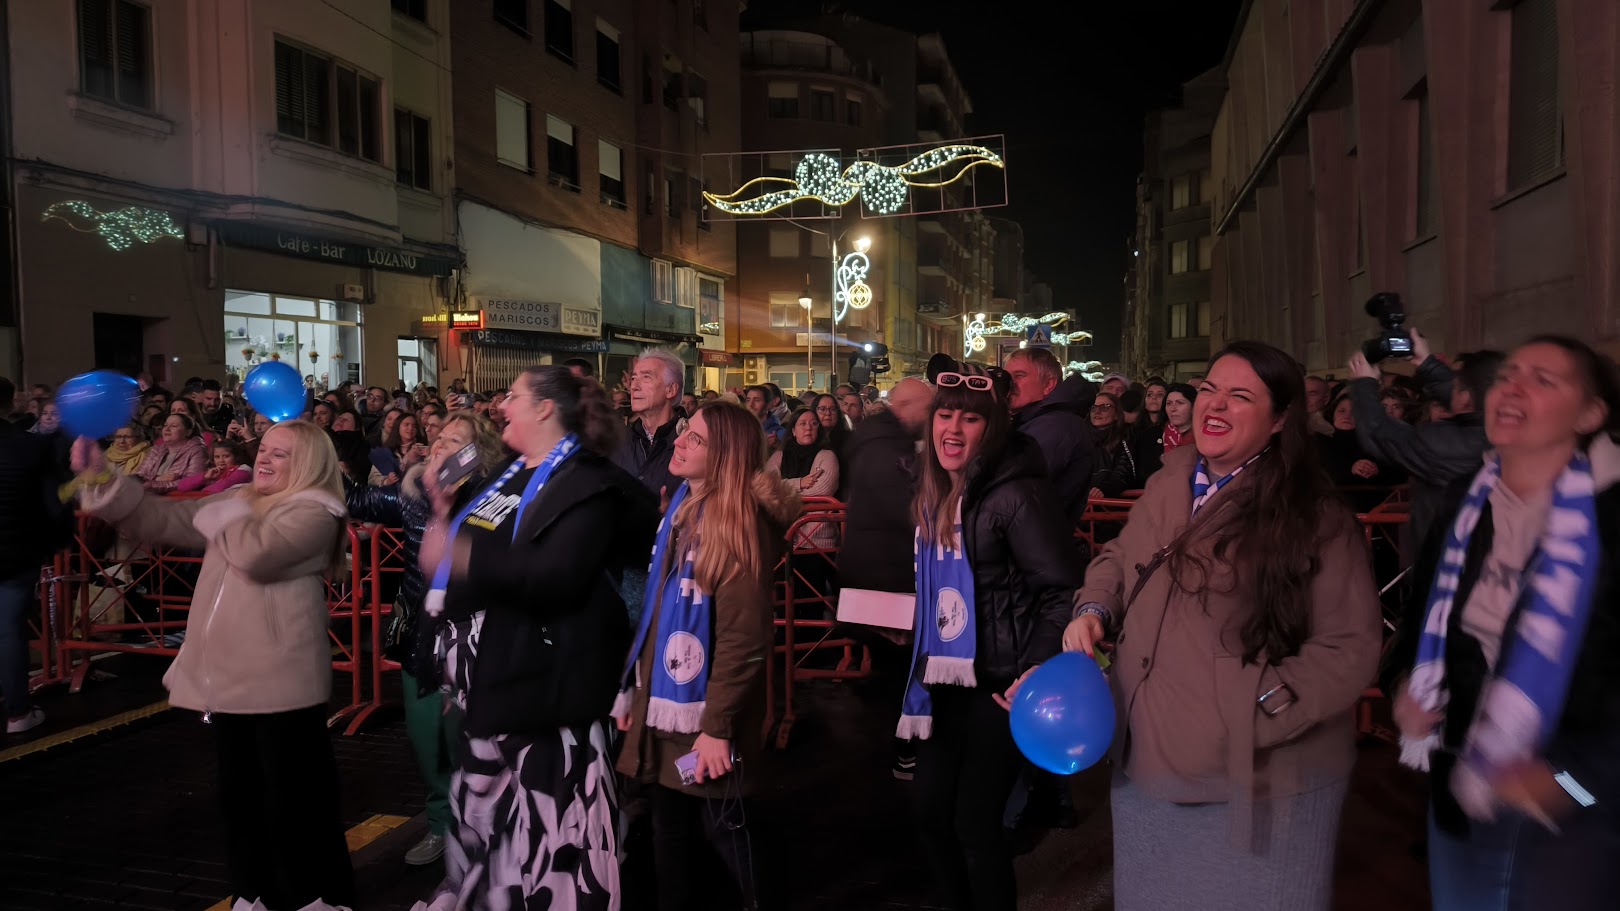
[199,481]
[182,459]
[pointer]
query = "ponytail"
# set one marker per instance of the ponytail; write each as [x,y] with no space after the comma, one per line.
[582,406]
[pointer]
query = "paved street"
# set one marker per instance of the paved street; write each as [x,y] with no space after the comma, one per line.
[124,818]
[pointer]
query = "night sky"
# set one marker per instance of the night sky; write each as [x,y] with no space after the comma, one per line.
[1068,85]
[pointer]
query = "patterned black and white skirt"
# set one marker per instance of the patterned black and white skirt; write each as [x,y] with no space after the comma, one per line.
[536,815]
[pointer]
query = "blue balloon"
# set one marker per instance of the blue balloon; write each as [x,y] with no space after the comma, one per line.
[97,403]
[1063,716]
[276,391]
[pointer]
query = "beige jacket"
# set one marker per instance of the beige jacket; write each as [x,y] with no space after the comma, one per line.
[256,638]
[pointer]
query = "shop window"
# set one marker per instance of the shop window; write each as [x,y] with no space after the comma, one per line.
[115,51]
[327,102]
[413,150]
[418,362]
[321,339]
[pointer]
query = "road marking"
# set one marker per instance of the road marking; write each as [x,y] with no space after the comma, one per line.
[83,730]
[358,837]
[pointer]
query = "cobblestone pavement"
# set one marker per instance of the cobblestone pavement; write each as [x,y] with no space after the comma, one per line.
[125,818]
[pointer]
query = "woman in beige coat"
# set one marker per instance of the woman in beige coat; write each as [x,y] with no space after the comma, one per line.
[256,661]
[1248,626]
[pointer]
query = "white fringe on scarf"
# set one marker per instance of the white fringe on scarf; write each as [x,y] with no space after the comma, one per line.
[952,671]
[674,717]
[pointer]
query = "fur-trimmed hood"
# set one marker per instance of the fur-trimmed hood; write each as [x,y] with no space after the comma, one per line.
[778,498]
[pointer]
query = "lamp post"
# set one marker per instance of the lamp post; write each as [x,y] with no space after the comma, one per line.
[850,290]
[805,301]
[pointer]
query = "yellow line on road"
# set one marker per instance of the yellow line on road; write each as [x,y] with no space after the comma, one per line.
[82,731]
[358,837]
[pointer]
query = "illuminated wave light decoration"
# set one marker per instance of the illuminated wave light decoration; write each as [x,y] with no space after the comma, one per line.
[1011,323]
[1091,370]
[120,228]
[849,285]
[882,189]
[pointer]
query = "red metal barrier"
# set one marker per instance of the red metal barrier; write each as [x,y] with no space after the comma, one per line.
[44,634]
[387,557]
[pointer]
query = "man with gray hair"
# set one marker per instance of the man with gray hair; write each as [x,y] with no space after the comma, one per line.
[657,379]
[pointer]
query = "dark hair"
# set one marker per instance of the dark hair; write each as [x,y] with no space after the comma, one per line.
[1476,372]
[210,385]
[839,432]
[933,508]
[1598,375]
[582,406]
[1270,538]
[762,390]
[353,453]
[8,392]
[797,460]
[1132,400]
[585,367]
[235,450]
[330,406]
[186,421]
[772,391]
[1115,434]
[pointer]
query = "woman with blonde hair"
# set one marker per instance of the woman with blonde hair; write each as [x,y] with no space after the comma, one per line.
[692,697]
[256,661]
[524,578]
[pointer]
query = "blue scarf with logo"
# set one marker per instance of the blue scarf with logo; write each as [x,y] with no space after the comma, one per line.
[944,632]
[684,637]
[567,446]
[1522,702]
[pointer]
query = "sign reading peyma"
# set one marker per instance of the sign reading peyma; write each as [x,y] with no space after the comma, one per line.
[912,179]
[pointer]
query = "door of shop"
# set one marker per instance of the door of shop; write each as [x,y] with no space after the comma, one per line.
[119,342]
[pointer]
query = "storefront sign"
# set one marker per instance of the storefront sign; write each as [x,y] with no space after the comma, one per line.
[818,337]
[455,319]
[540,316]
[715,358]
[536,341]
[331,249]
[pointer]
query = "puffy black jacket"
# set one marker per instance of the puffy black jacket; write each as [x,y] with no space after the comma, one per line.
[1025,571]
[33,521]
[1061,426]
[556,630]
[648,460]
[404,505]
[879,477]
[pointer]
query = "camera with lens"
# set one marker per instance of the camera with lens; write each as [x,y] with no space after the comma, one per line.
[1395,340]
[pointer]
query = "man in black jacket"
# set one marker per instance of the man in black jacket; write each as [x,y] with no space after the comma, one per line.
[1052,411]
[657,379]
[33,524]
[879,478]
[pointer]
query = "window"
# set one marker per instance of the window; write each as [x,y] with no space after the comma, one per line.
[686,288]
[852,110]
[663,280]
[416,9]
[607,55]
[610,170]
[514,14]
[699,205]
[784,100]
[672,84]
[674,190]
[821,104]
[784,243]
[1206,187]
[413,150]
[1178,320]
[512,131]
[649,184]
[700,14]
[697,97]
[259,325]
[779,164]
[1202,322]
[1178,257]
[562,161]
[1426,220]
[785,310]
[1535,118]
[820,245]
[1206,252]
[310,88]
[115,51]
[560,29]
[1181,192]
[711,303]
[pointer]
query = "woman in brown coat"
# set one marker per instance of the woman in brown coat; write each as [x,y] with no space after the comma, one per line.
[1248,626]
[693,702]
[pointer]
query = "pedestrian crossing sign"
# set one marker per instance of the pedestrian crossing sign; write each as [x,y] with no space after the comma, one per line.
[1039,335]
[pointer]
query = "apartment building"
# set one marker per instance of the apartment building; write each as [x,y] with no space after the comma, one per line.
[201,187]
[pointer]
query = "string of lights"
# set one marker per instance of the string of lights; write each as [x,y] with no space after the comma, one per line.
[882,189]
[120,228]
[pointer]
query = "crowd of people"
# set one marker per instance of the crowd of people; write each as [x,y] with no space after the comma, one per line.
[586,615]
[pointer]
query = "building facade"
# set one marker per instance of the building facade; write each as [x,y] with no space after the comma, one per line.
[1167,317]
[1459,153]
[203,187]
[580,129]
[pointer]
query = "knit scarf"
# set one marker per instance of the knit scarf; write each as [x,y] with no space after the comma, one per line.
[1174,439]
[126,461]
[1523,700]
[944,631]
[680,676]
[433,603]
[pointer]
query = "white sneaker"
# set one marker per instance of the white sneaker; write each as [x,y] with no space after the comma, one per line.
[426,851]
[34,718]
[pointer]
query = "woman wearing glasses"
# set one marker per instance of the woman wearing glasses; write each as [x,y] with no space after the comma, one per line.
[995,579]
[1248,627]
[1117,467]
[129,449]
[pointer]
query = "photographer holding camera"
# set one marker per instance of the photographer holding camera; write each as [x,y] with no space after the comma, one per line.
[1435,453]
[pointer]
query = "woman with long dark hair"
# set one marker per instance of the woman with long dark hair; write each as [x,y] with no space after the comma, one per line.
[994,578]
[1512,702]
[1118,467]
[692,697]
[526,571]
[1248,626]
[835,427]
[808,461]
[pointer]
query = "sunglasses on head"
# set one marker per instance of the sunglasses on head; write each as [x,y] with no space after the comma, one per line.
[976,383]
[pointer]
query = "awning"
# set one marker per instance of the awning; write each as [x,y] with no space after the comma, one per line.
[650,336]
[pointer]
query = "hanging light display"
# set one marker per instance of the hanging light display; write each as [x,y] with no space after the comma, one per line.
[1013,324]
[120,228]
[883,190]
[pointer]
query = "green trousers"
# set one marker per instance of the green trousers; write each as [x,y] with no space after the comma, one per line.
[433,733]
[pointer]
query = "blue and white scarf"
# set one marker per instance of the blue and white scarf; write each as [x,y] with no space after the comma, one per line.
[567,446]
[680,674]
[944,632]
[1203,489]
[1522,702]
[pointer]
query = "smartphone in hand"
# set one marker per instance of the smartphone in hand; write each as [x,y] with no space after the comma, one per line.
[458,467]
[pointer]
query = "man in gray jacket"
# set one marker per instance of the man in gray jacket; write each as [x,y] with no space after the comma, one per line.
[1052,411]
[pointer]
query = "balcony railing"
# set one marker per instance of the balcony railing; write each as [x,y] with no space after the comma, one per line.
[764,50]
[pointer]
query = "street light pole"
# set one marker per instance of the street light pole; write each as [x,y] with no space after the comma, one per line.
[807,302]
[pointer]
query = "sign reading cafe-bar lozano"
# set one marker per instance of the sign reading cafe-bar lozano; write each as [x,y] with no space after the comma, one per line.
[331,249]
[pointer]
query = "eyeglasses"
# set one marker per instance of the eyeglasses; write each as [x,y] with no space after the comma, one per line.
[826,409]
[1101,409]
[124,436]
[975,383]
